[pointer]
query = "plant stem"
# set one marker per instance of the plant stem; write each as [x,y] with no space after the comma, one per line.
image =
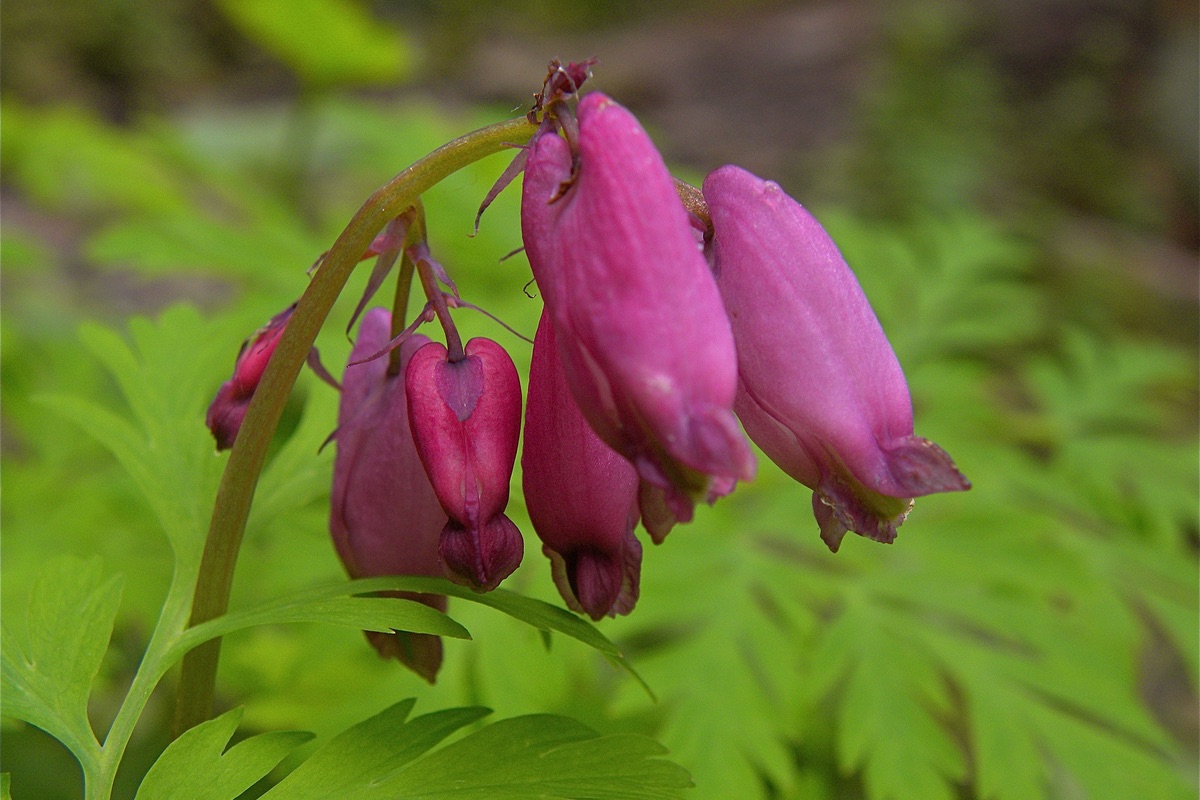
[197,680]
[171,623]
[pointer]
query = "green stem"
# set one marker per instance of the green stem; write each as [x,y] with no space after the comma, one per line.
[155,662]
[198,677]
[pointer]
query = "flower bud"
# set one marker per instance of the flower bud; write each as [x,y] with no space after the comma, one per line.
[820,389]
[581,495]
[384,516]
[228,408]
[642,334]
[466,418]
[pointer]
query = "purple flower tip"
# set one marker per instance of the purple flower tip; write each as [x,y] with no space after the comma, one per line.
[481,556]
[581,494]
[228,408]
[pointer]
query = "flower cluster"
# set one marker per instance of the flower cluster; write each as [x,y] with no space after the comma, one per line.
[670,314]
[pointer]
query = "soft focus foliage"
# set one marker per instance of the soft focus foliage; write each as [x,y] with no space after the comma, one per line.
[1033,638]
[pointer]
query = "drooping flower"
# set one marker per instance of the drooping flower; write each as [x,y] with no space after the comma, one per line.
[819,387]
[228,408]
[581,494]
[642,334]
[465,417]
[384,517]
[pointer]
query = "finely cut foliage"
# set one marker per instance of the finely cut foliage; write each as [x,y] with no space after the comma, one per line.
[1016,643]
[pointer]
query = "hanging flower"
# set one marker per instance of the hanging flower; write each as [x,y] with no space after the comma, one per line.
[819,386]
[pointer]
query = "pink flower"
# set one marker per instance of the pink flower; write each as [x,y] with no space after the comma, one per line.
[384,517]
[466,418]
[581,495]
[228,408]
[819,387]
[642,334]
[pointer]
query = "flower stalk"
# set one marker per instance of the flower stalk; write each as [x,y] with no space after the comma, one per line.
[236,492]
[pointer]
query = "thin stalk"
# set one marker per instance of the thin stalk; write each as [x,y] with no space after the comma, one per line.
[400,309]
[437,300]
[197,679]
[154,664]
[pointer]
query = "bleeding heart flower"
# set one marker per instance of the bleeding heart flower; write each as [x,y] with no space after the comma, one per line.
[466,418]
[384,517]
[819,386]
[581,494]
[642,334]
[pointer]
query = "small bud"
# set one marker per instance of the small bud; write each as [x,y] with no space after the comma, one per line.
[228,408]
[581,494]
[384,517]
[642,333]
[820,389]
[466,419]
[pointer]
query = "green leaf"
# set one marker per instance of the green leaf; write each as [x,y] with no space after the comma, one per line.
[5,786]
[196,766]
[887,719]
[542,756]
[353,762]
[1101,766]
[539,614]
[366,613]
[49,666]
[327,42]
[166,377]
[1008,761]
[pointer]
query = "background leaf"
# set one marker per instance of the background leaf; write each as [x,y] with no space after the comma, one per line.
[325,41]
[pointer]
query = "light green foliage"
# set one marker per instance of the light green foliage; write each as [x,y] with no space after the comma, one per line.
[532,756]
[326,42]
[997,651]
[197,765]
[52,656]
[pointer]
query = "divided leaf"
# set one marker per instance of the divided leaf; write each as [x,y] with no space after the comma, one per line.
[50,664]
[543,756]
[165,379]
[196,766]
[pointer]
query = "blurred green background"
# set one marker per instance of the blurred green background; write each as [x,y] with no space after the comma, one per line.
[1015,184]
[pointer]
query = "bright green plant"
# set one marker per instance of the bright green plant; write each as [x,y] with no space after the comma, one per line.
[997,650]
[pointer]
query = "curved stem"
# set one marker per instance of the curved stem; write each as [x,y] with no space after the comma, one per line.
[198,677]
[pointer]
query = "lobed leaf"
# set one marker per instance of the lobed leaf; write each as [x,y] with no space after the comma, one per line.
[542,756]
[196,766]
[49,664]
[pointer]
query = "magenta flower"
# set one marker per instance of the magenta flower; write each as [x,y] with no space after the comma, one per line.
[466,418]
[384,517]
[642,334]
[819,387]
[228,408]
[581,495]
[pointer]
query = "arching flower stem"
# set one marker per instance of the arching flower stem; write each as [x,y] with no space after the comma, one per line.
[236,492]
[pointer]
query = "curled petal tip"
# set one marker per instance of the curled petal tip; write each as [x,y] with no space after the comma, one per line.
[481,558]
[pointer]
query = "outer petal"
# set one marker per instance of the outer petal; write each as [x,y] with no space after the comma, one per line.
[228,408]
[384,516]
[642,334]
[820,389]
[581,494]
[466,419]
